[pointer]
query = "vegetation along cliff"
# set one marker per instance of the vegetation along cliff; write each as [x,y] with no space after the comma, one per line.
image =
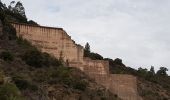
[44,63]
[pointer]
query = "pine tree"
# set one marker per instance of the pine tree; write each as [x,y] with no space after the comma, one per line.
[87,47]
[152,70]
[87,50]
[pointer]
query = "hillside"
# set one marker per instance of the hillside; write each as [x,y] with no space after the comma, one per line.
[46,78]
[45,82]
[150,86]
[29,74]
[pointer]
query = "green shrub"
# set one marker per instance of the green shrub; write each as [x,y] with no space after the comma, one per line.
[7,56]
[9,92]
[66,77]
[9,31]
[49,60]
[118,61]
[37,59]
[23,84]
[95,56]
[32,22]
[80,85]
[23,42]
[60,75]
[68,81]
[41,75]
[63,72]
[33,58]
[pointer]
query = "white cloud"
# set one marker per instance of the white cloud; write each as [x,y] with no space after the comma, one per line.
[135,30]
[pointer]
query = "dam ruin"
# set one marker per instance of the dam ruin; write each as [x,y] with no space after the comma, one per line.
[58,43]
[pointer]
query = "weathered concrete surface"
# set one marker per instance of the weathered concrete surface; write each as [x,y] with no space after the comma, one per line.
[98,70]
[55,41]
[58,43]
[125,86]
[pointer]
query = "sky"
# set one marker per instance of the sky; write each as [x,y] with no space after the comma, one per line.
[137,31]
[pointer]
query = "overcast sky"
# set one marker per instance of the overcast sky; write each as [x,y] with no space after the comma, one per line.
[137,31]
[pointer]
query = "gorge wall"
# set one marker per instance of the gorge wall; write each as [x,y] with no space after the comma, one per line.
[58,43]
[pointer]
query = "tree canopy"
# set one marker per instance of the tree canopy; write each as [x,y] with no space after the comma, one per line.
[17,7]
[92,55]
[162,71]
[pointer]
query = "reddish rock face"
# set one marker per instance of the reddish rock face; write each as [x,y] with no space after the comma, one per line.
[58,43]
